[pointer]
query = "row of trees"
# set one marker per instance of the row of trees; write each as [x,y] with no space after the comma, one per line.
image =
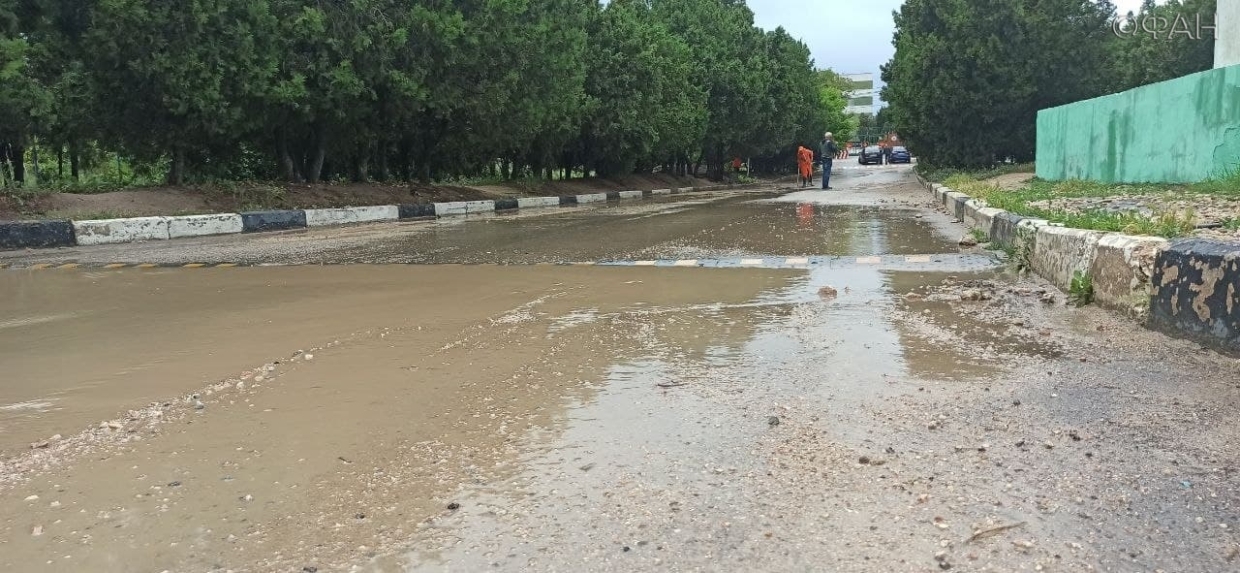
[306,90]
[969,76]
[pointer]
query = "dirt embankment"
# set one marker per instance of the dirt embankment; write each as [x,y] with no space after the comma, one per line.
[155,201]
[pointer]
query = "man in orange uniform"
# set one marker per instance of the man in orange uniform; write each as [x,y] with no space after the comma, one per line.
[805,161]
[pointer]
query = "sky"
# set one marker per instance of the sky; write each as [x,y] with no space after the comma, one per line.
[848,36]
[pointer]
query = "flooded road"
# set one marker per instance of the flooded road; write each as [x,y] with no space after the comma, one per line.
[470,415]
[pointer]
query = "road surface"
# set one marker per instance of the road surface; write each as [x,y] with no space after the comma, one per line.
[779,380]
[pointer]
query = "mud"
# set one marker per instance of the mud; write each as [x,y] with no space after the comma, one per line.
[467,418]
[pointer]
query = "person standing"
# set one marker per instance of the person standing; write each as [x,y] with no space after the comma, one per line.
[805,165]
[826,153]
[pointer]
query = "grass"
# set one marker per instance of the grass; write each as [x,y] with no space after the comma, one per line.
[942,174]
[1081,290]
[1168,225]
[980,235]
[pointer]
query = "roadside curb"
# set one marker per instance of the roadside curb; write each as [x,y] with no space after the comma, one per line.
[66,233]
[1187,287]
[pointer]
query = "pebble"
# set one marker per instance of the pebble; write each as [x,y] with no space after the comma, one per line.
[32,498]
[309,357]
[37,531]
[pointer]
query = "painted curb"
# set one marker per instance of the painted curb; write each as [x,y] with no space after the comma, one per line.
[1186,287]
[1121,272]
[537,202]
[112,231]
[204,225]
[36,234]
[348,215]
[1061,252]
[416,210]
[259,221]
[54,233]
[1196,291]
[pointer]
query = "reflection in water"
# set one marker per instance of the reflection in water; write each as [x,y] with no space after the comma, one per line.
[665,419]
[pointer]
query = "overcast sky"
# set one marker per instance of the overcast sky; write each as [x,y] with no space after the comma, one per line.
[848,36]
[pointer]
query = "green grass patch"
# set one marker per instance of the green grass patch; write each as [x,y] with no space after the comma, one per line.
[1081,291]
[942,174]
[1168,225]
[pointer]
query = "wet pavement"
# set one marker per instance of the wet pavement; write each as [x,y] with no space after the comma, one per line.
[905,405]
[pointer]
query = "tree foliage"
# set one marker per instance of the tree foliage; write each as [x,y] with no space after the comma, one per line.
[969,76]
[311,90]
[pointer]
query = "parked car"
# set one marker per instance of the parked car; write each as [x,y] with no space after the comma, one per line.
[855,150]
[900,155]
[872,155]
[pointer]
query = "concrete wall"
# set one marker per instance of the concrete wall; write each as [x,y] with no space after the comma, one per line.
[1227,44]
[1177,131]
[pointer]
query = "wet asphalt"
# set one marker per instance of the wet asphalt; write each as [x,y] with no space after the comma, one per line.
[433,400]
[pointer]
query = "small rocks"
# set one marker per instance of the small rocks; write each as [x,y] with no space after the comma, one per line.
[37,531]
[968,241]
[246,497]
[454,506]
[828,292]
[308,357]
[32,498]
[773,421]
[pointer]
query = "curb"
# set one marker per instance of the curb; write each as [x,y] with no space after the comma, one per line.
[1185,287]
[64,233]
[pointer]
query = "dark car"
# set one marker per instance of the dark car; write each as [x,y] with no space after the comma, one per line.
[900,155]
[871,155]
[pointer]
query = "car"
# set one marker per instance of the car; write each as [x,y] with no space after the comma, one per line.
[854,150]
[871,155]
[899,154]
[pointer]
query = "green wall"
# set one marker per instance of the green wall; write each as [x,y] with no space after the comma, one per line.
[1177,131]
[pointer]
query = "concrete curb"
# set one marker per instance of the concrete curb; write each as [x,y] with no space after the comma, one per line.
[46,234]
[1186,287]
[1196,292]
[31,234]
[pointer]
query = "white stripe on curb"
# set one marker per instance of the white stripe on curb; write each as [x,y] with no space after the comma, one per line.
[535,202]
[630,194]
[661,192]
[203,225]
[457,208]
[344,215]
[592,198]
[109,231]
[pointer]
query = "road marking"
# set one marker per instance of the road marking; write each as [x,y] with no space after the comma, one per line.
[751,262]
[644,263]
[193,266]
[917,258]
[869,260]
[116,266]
[582,264]
[686,263]
[146,266]
[797,261]
[68,266]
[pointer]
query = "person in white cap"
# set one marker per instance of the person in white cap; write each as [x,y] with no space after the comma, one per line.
[826,154]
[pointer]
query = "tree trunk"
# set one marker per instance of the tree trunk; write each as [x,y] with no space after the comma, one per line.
[60,162]
[362,172]
[385,172]
[19,163]
[34,158]
[288,171]
[176,171]
[315,172]
[75,161]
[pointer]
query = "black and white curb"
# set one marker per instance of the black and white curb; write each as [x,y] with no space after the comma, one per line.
[1188,287]
[64,233]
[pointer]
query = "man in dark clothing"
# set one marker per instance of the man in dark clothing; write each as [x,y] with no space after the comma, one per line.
[826,153]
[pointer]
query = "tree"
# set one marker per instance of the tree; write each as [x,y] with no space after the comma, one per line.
[969,76]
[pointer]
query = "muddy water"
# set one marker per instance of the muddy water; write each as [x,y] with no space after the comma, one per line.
[345,451]
[658,468]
